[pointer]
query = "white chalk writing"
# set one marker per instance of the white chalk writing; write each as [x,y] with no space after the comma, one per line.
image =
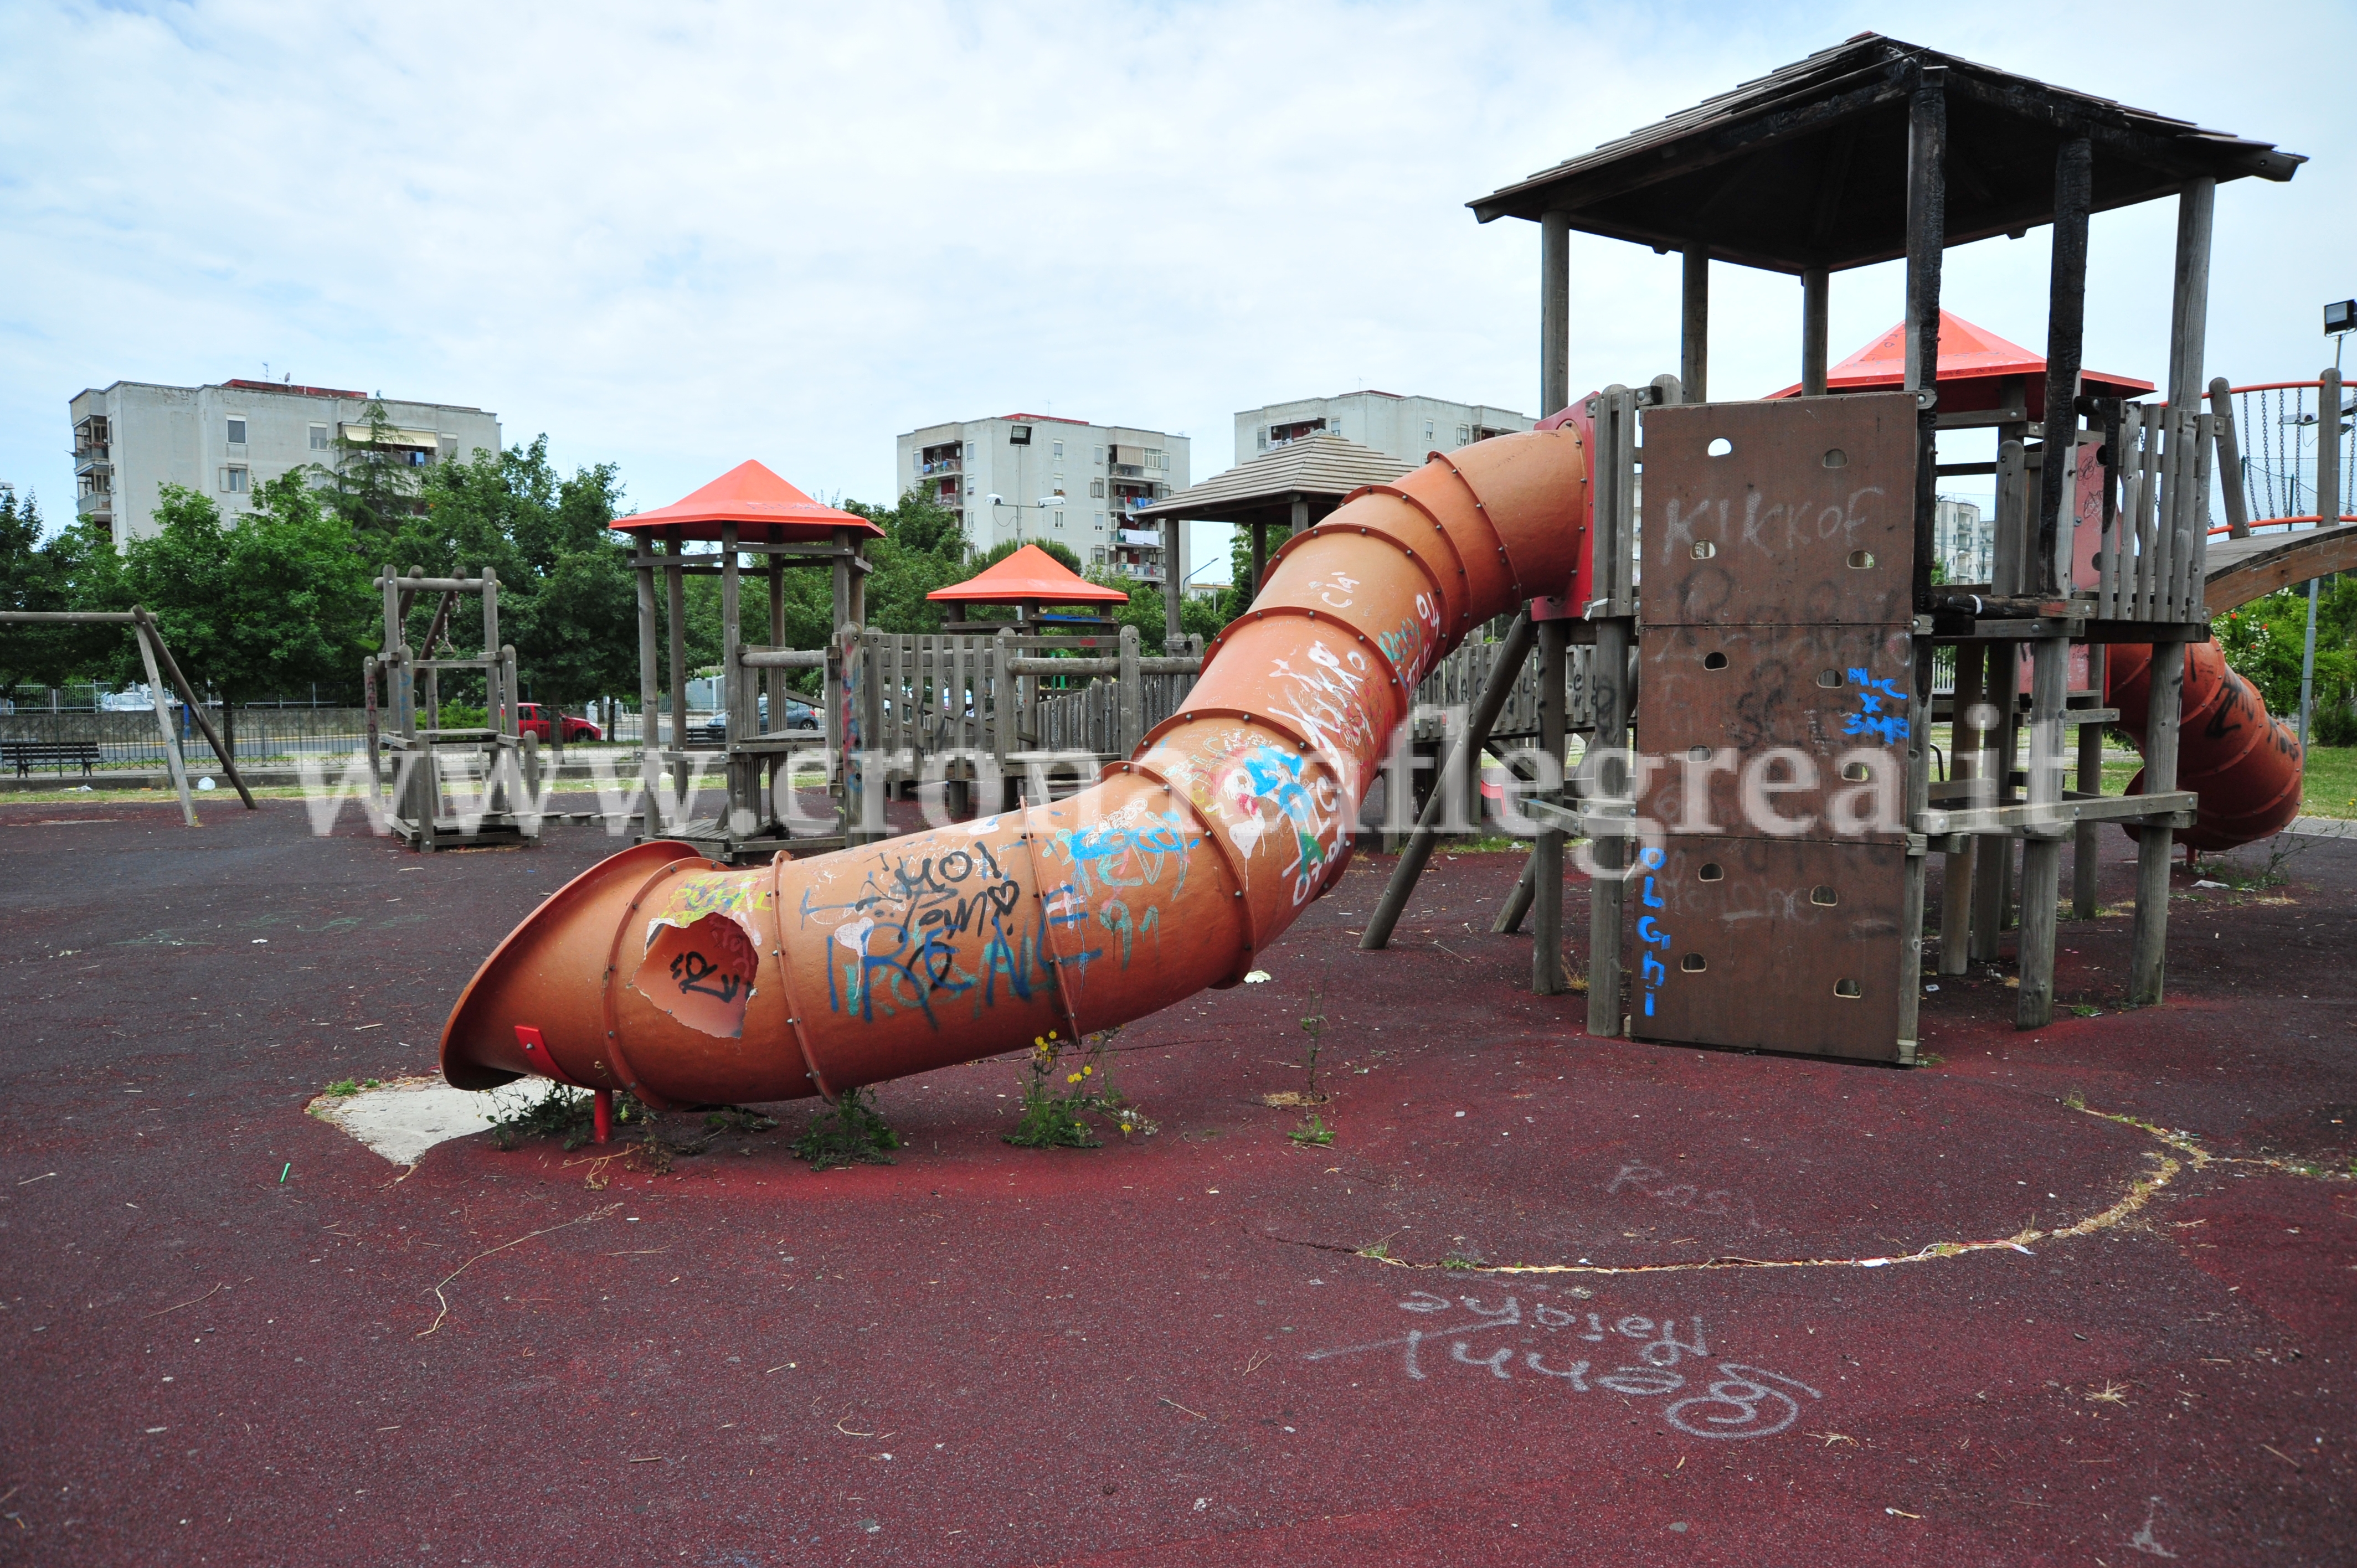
[1658,1357]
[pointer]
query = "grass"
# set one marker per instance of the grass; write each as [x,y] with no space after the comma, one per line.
[2328,789]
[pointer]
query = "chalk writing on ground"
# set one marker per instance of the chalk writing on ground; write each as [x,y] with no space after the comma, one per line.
[1706,1398]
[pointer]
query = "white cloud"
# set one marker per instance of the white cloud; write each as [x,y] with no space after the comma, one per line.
[791,233]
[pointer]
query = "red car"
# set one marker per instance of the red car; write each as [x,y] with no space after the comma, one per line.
[531,719]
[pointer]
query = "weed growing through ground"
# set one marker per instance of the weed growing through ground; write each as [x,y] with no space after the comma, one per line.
[345,1088]
[560,1113]
[1312,1132]
[850,1131]
[1058,1097]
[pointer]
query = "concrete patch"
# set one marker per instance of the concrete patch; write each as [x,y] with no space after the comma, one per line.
[403,1118]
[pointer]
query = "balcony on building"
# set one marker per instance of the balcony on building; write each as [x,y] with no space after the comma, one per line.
[944,457]
[91,448]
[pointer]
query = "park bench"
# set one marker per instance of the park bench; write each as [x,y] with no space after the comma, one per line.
[49,753]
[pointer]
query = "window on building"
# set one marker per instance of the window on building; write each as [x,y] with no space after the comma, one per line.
[1099,523]
[235,478]
[1464,434]
[1428,430]
[319,438]
[1059,520]
[1059,449]
[1096,488]
[1263,437]
[237,433]
[1098,456]
[1097,556]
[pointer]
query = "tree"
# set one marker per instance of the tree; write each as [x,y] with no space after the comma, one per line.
[373,486]
[73,570]
[267,605]
[1148,611]
[923,549]
[2265,641]
[567,601]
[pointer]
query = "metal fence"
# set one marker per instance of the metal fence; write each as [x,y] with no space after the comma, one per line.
[128,740]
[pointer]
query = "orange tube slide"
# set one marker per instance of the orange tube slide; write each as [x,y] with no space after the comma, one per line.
[2244,762]
[687,982]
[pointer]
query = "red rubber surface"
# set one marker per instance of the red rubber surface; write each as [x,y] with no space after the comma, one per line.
[1104,1356]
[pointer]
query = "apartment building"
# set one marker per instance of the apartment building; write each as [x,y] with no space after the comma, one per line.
[132,438]
[1036,477]
[1963,540]
[1406,428]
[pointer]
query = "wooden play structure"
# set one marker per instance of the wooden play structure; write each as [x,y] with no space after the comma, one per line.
[1776,596]
[448,784]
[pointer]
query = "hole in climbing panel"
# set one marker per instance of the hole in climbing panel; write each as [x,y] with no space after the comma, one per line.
[1860,560]
[1720,446]
[1692,964]
[1836,458]
[1829,678]
[1848,990]
[1703,550]
[1714,661]
[1697,753]
[1823,894]
[1711,871]
[1856,772]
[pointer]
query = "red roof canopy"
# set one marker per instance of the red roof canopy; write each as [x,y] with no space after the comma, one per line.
[1973,362]
[1027,576]
[765,509]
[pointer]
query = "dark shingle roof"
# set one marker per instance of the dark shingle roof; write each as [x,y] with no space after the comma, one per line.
[1321,469]
[1806,167]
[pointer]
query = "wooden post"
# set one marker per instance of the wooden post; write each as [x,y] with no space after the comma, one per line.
[2066,312]
[2041,849]
[1611,669]
[1131,695]
[1815,329]
[1259,560]
[2229,460]
[369,738]
[1300,516]
[2148,941]
[1968,748]
[1004,706]
[2086,853]
[675,589]
[2327,515]
[2190,301]
[2328,458]
[196,709]
[1693,325]
[172,764]
[1174,585]
[1927,221]
[737,813]
[1427,832]
[858,577]
[650,695]
[1992,854]
[774,684]
[843,575]
[1555,312]
[1546,849]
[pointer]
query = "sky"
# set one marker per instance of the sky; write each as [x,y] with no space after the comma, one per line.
[675,237]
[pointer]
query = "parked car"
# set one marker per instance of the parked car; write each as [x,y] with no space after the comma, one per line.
[533,719]
[799,715]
